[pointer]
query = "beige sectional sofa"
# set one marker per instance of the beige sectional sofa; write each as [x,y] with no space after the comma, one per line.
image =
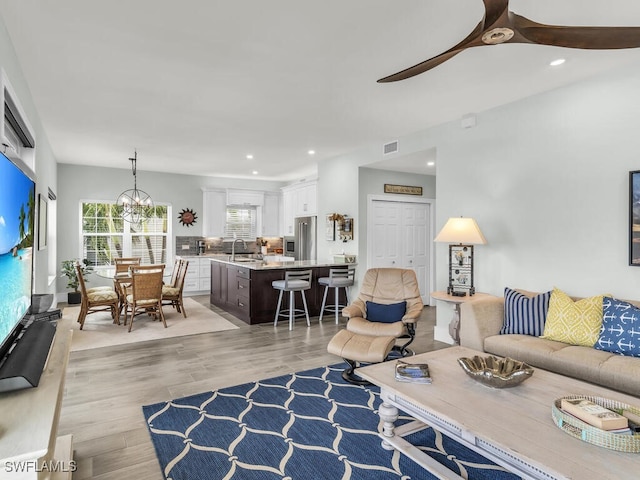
[482,319]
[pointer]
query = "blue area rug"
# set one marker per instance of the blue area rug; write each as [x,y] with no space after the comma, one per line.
[304,426]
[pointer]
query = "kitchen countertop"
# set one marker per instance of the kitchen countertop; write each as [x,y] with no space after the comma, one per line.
[258,264]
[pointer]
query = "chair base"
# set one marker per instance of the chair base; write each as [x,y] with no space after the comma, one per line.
[350,376]
[336,307]
[291,313]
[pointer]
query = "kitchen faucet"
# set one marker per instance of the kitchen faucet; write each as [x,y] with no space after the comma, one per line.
[233,248]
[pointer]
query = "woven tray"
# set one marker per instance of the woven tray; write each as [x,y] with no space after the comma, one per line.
[579,429]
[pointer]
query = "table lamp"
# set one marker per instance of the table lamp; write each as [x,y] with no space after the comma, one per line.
[461,233]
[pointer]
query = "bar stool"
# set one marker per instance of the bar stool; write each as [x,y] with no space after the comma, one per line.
[294,281]
[338,278]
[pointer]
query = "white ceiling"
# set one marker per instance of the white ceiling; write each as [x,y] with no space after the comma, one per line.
[197,85]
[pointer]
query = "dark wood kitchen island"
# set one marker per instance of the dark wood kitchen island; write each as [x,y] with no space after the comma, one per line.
[243,287]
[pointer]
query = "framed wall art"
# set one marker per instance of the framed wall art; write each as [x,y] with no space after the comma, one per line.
[42,222]
[634,218]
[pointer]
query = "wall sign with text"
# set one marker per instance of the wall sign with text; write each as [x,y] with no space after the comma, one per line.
[402,189]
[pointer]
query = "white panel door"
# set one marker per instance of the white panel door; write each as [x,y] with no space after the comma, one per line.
[387,234]
[415,251]
[401,238]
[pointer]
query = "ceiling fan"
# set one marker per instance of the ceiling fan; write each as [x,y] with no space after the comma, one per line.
[500,25]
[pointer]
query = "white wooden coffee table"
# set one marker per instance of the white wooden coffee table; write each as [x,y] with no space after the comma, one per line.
[512,426]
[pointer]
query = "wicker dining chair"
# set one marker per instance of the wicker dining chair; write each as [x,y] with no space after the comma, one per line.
[122,270]
[145,293]
[96,300]
[172,295]
[177,264]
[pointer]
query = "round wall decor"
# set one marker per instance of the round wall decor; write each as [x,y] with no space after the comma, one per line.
[187,217]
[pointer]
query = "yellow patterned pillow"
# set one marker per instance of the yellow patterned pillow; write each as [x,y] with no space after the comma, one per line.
[576,323]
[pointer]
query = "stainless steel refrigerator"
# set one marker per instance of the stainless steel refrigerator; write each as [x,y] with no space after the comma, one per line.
[305,238]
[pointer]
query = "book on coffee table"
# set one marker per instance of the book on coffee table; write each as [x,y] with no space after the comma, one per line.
[594,414]
[412,372]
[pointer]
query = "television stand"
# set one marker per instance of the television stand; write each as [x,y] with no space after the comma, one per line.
[29,421]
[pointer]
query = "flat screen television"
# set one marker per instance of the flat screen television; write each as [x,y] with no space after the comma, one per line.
[17,216]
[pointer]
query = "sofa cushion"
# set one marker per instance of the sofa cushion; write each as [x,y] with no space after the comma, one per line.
[621,373]
[620,331]
[575,323]
[524,314]
[387,313]
[571,360]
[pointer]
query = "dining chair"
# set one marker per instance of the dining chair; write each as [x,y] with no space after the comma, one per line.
[121,276]
[93,301]
[172,295]
[145,293]
[174,273]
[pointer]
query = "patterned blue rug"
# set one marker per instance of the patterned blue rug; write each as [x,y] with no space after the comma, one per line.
[302,426]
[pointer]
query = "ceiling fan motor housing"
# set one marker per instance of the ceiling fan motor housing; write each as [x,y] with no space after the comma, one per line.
[497,36]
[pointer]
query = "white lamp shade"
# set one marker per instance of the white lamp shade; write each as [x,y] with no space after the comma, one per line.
[461,230]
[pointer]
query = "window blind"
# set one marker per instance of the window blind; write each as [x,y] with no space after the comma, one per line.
[241,222]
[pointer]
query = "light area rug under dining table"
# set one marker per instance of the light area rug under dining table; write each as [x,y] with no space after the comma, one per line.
[100,331]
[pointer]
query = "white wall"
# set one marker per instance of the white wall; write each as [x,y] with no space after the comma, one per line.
[547,180]
[45,162]
[79,183]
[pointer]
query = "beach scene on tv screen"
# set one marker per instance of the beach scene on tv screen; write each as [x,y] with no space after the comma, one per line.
[17,209]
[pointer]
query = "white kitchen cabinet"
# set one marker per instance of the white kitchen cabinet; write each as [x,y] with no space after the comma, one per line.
[214,212]
[287,212]
[300,200]
[271,215]
[245,197]
[198,277]
[306,203]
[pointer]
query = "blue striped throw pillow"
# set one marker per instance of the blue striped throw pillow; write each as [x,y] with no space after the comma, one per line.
[524,315]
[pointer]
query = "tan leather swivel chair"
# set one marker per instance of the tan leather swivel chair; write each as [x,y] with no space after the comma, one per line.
[372,341]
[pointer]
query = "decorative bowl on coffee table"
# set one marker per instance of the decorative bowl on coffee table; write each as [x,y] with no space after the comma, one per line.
[496,372]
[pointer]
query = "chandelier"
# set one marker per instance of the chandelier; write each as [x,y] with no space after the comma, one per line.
[136,204]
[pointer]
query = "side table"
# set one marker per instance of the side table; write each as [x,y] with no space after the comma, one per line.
[454,325]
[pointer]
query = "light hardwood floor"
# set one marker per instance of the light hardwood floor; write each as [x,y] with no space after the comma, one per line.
[106,387]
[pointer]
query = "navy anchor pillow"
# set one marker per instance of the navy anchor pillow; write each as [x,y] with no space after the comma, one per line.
[620,331]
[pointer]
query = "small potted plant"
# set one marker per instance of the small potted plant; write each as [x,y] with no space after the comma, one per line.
[69,271]
[263,246]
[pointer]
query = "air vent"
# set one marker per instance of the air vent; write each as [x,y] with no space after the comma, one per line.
[390,148]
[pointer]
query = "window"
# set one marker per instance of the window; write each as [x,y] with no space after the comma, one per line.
[241,222]
[105,235]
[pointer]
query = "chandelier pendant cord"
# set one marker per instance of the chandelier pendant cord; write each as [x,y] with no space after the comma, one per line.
[137,205]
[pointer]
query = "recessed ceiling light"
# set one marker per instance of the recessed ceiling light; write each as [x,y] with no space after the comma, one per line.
[311,152]
[249,157]
[557,62]
[255,172]
[430,164]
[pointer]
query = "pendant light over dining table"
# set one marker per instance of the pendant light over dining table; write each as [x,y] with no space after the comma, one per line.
[136,204]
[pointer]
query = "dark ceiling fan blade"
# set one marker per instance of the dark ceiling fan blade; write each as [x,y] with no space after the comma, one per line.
[472,40]
[494,10]
[499,25]
[590,38]
[421,67]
